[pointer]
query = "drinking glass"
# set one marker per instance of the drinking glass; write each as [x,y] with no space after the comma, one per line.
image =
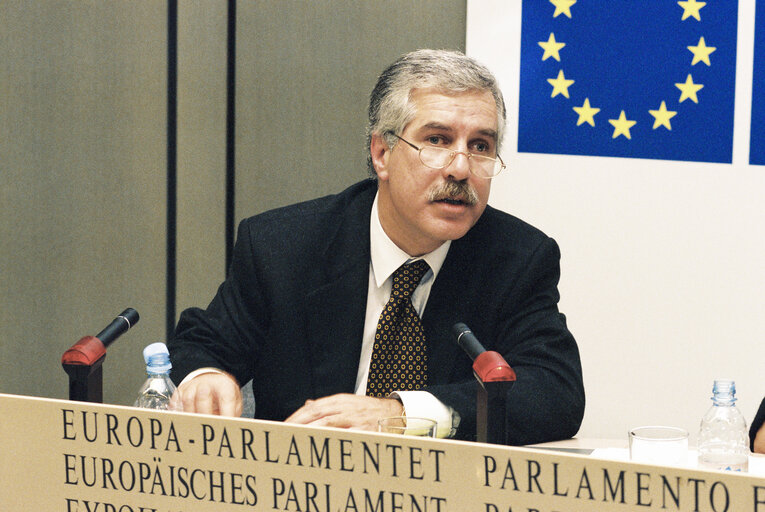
[659,445]
[408,425]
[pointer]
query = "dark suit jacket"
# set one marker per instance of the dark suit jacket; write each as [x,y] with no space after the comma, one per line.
[757,423]
[291,315]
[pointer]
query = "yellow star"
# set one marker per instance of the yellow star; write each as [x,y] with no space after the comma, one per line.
[586,113]
[691,8]
[551,48]
[689,90]
[701,52]
[560,85]
[622,126]
[562,6]
[662,116]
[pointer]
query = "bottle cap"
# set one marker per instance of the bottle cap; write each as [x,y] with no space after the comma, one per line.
[724,388]
[157,357]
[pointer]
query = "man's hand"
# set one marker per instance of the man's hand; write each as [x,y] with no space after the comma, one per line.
[346,411]
[211,393]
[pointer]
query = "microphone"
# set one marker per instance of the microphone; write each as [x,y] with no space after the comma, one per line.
[467,340]
[83,360]
[495,378]
[488,366]
[90,349]
[118,327]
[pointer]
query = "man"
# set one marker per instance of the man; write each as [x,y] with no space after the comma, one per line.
[300,313]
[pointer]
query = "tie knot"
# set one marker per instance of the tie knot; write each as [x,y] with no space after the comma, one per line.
[407,277]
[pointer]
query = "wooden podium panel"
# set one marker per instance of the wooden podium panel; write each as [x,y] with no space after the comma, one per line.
[80,457]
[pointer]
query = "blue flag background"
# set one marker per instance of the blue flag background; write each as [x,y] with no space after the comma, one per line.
[757,136]
[627,56]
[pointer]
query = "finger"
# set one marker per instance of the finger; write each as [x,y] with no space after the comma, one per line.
[188,397]
[307,413]
[230,402]
[314,410]
[350,420]
[176,402]
[335,420]
[204,400]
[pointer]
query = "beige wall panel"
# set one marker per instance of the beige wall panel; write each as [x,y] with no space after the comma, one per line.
[83,153]
[82,186]
[304,74]
[201,243]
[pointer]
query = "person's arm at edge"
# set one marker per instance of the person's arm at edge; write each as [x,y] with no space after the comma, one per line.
[757,430]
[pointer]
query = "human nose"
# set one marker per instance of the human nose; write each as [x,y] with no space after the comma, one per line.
[459,168]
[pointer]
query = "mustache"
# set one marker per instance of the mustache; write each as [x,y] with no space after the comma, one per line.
[455,191]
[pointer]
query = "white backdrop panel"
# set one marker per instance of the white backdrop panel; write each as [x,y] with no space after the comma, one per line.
[662,264]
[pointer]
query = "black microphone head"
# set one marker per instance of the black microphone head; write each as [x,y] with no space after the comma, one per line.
[131,316]
[460,328]
[467,340]
[119,326]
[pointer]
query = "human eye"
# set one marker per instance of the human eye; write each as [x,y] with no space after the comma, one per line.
[436,140]
[481,147]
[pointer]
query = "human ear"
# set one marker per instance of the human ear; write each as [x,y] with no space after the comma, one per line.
[380,152]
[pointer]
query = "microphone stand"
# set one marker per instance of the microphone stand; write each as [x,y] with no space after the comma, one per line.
[83,360]
[85,378]
[495,378]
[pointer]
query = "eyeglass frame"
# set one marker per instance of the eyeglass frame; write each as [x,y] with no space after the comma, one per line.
[454,154]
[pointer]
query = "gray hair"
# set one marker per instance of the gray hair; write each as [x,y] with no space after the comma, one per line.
[390,105]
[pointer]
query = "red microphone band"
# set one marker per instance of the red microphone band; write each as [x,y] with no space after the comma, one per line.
[85,352]
[490,366]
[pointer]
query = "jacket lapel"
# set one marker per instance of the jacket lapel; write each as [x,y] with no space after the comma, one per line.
[441,313]
[336,308]
[455,297]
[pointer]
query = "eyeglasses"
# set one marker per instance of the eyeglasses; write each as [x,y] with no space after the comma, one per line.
[437,158]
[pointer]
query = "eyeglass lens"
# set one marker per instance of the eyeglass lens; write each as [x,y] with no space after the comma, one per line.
[438,158]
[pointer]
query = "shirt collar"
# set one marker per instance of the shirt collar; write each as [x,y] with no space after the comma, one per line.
[387,256]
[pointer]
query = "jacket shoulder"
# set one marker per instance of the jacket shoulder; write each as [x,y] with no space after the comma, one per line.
[500,229]
[314,214]
[308,229]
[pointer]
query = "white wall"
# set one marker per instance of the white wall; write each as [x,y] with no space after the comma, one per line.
[662,265]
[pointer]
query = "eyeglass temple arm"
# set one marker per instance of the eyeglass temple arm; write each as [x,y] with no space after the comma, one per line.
[404,140]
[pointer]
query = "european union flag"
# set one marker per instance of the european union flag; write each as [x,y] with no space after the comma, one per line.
[629,79]
[757,135]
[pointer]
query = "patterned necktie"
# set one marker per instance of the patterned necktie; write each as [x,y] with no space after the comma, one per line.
[399,362]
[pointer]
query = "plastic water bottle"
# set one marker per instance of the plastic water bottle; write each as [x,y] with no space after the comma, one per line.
[158,388]
[723,437]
